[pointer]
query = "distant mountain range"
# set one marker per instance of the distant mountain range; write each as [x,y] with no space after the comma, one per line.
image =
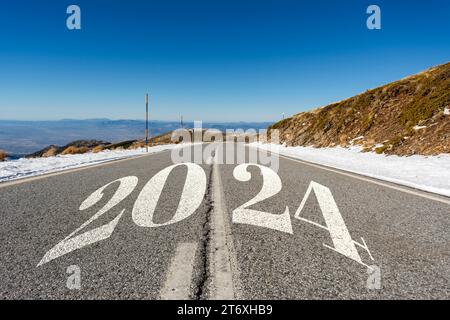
[25,137]
[405,117]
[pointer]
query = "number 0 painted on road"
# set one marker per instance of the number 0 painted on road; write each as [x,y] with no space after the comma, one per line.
[191,196]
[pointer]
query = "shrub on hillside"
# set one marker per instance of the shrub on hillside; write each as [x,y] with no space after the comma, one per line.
[137,144]
[97,149]
[3,155]
[49,153]
[75,150]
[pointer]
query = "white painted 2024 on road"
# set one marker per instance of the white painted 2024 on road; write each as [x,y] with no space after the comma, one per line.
[191,198]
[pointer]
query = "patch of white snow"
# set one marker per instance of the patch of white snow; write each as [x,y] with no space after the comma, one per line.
[428,173]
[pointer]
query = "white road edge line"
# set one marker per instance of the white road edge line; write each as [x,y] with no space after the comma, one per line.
[70,170]
[371,180]
[224,283]
[178,282]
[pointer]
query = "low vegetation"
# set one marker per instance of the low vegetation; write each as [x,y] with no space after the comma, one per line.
[97,149]
[3,155]
[51,152]
[75,147]
[384,119]
[95,146]
[74,150]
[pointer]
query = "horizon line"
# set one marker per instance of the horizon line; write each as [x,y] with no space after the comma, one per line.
[132,119]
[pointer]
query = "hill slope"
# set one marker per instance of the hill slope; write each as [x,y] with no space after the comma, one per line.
[409,116]
[84,146]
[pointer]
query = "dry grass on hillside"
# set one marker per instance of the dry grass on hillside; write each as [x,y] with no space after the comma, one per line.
[3,155]
[50,153]
[97,149]
[75,150]
[405,117]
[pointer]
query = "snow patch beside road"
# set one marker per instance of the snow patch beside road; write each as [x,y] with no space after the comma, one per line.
[21,168]
[427,173]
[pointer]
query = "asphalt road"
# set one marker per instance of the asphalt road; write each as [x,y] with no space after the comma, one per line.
[220,251]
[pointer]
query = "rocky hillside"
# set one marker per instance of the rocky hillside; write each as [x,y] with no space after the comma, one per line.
[84,146]
[406,117]
[75,147]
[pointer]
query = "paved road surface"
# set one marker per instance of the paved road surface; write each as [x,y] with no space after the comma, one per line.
[223,249]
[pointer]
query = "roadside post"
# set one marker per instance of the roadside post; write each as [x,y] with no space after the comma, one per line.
[146,122]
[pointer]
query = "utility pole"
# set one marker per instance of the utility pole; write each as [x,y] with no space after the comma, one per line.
[146,122]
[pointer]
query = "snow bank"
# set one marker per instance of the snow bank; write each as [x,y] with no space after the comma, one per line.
[428,173]
[15,169]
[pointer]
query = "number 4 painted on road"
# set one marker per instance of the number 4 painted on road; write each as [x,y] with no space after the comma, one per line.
[335,225]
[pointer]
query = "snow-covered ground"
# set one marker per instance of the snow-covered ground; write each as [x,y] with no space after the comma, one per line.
[15,169]
[428,173]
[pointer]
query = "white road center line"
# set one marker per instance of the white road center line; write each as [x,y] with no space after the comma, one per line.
[223,266]
[179,276]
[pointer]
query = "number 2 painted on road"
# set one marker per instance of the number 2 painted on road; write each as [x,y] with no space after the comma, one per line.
[271,186]
[71,242]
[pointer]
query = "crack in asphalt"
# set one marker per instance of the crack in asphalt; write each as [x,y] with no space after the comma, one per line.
[200,291]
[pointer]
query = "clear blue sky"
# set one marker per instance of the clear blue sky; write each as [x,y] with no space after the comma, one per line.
[213,60]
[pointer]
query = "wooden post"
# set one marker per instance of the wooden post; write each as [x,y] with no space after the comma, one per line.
[146,122]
